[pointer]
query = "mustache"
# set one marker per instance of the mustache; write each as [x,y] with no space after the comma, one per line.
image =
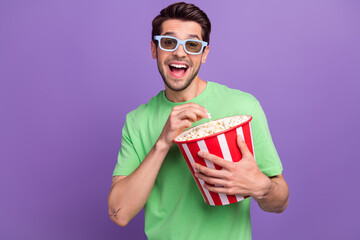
[167,61]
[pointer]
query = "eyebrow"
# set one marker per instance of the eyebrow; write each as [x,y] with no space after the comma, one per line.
[190,35]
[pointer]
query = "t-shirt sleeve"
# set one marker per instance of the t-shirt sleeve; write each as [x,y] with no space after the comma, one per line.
[128,159]
[266,155]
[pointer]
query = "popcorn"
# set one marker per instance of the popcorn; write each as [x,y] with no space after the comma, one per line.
[211,127]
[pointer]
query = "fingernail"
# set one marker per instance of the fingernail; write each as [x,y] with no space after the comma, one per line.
[194,166]
[200,153]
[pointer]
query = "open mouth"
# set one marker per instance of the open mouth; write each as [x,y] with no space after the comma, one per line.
[178,70]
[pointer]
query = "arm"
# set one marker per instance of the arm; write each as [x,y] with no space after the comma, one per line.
[277,198]
[245,178]
[128,194]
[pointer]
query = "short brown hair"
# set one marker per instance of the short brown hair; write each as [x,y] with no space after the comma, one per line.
[186,12]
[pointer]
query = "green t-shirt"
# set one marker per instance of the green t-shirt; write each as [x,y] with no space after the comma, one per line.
[176,208]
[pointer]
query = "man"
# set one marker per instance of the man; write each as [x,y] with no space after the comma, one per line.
[151,171]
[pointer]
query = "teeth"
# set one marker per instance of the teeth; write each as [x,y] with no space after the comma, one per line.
[178,65]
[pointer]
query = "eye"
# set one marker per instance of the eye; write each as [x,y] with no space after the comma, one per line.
[169,42]
[193,44]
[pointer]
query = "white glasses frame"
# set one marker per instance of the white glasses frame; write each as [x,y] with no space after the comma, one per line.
[203,44]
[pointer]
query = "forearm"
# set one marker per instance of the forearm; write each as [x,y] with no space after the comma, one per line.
[128,195]
[276,198]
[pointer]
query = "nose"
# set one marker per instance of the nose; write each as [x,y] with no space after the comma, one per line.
[180,52]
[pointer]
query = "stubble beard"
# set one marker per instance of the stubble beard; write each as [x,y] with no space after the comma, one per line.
[167,82]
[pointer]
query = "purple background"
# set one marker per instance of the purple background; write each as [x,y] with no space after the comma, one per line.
[71,70]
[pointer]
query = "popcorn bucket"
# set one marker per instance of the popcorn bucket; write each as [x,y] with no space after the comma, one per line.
[220,141]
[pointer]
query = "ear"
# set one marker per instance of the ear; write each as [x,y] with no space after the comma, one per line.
[205,54]
[153,49]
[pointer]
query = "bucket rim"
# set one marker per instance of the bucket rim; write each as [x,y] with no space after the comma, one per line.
[214,134]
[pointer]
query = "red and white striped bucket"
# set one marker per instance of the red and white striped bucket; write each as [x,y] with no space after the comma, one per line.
[222,144]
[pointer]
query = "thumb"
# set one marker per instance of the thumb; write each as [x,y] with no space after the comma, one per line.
[245,152]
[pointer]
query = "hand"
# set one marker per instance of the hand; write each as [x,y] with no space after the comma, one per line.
[235,178]
[180,118]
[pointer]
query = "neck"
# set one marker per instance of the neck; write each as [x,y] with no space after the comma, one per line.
[192,91]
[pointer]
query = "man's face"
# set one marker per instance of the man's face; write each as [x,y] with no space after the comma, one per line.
[178,69]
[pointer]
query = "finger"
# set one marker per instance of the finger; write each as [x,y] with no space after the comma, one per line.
[212,180]
[200,111]
[218,189]
[189,105]
[245,152]
[208,171]
[215,159]
[180,126]
[193,114]
[188,114]
[186,124]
